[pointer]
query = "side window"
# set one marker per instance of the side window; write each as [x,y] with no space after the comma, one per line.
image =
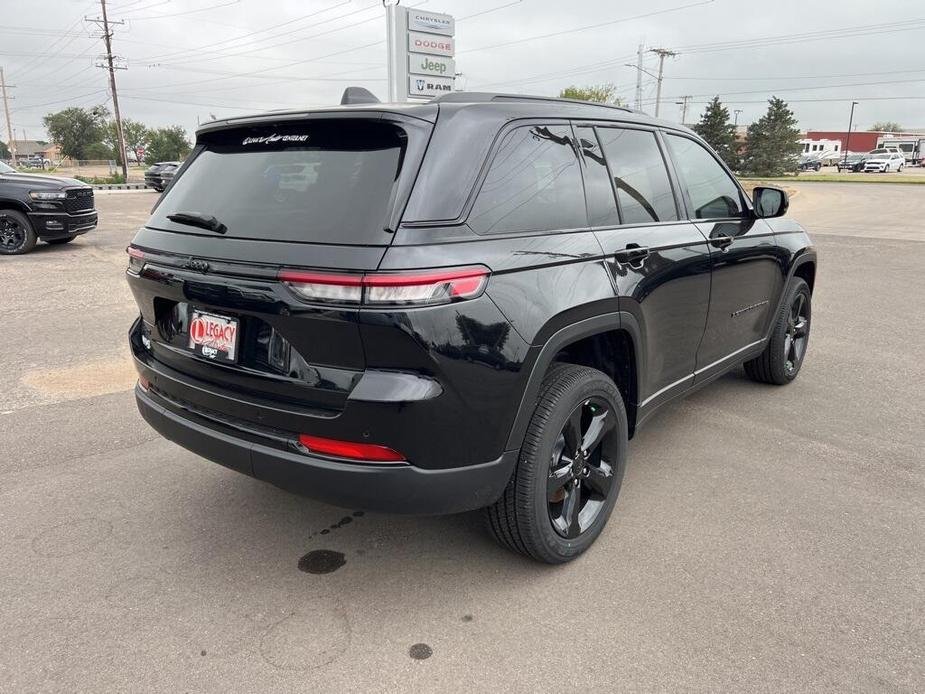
[534,184]
[602,206]
[713,194]
[639,175]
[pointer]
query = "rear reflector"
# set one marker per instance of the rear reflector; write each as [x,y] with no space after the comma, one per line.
[144,383]
[367,452]
[420,288]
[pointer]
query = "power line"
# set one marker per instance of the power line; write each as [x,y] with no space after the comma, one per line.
[6,107]
[587,27]
[110,64]
[662,53]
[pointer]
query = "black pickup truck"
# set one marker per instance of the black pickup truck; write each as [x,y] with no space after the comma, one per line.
[55,210]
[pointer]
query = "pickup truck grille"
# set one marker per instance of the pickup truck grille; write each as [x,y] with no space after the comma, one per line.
[78,201]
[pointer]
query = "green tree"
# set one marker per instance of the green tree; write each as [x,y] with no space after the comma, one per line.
[4,151]
[167,144]
[134,132]
[74,129]
[600,93]
[720,134]
[98,150]
[886,126]
[772,148]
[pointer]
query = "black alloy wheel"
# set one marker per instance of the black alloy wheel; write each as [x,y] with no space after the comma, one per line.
[16,235]
[797,334]
[783,356]
[570,470]
[581,469]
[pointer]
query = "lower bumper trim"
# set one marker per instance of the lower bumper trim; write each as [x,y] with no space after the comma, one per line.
[389,489]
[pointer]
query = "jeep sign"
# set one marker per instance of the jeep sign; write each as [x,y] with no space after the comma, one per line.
[420,64]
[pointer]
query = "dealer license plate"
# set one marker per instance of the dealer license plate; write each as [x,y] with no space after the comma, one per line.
[213,337]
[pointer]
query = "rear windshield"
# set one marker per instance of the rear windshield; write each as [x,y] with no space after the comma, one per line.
[313,181]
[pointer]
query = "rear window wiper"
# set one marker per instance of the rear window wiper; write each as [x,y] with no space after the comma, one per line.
[198,219]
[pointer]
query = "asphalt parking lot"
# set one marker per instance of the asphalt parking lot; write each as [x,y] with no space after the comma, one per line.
[766,539]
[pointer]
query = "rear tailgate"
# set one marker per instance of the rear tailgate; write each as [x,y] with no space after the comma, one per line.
[315,194]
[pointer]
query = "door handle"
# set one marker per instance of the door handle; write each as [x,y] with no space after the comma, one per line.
[632,255]
[721,242]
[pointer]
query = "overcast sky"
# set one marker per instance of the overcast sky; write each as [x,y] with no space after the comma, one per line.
[190,59]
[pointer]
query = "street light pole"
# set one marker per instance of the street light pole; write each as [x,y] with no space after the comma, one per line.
[850,123]
[735,122]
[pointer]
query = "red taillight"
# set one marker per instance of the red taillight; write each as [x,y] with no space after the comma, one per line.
[368,452]
[136,259]
[324,286]
[419,288]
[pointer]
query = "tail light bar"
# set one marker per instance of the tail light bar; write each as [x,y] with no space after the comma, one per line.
[416,288]
[363,452]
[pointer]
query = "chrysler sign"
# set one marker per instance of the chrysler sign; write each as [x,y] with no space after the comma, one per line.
[431,22]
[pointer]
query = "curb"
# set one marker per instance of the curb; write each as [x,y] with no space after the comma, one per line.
[121,186]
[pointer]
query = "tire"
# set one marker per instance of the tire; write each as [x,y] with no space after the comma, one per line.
[16,233]
[558,502]
[899,169]
[61,241]
[781,360]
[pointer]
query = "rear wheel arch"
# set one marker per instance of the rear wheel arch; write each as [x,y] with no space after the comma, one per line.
[806,270]
[608,343]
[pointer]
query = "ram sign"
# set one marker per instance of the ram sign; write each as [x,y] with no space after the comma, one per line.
[427,86]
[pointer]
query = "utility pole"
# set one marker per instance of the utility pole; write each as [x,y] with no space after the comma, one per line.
[6,107]
[683,103]
[107,38]
[850,123]
[639,71]
[662,53]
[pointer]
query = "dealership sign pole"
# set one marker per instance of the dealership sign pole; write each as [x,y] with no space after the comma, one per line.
[420,51]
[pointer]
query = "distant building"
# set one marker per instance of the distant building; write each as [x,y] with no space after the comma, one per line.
[861,140]
[29,149]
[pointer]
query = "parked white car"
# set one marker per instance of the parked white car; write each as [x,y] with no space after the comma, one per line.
[884,161]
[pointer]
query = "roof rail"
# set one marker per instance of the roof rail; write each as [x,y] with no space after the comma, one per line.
[486,97]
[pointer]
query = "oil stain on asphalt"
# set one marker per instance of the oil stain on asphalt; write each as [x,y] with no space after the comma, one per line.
[325,561]
[322,561]
[420,651]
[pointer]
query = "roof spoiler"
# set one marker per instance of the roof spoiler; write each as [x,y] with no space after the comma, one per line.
[357,95]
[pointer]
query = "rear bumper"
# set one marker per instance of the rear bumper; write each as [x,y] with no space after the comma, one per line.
[385,488]
[50,225]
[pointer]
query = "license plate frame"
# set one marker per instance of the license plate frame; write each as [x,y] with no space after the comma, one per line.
[213,336]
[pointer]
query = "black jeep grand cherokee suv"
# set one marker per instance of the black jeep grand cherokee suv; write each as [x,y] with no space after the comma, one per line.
[55,210]
[472,302]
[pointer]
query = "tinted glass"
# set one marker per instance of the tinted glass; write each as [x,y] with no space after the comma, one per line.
[533,185]
[316,181]
[639,175]
[713,193]
[6,169]
[602,206]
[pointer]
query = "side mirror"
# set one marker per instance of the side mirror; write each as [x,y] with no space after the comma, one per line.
[770,202]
